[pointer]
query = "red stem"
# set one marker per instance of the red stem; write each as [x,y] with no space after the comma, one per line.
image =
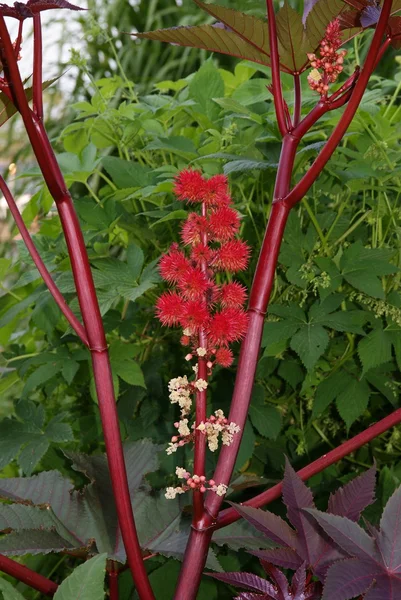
[275,67]
[113,585]
[230,515]
[37,84]
[37,259]
[200,414]
[90,313]
[302,187]
[27,576]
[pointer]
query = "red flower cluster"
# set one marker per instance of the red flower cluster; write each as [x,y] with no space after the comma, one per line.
[198,303]
[330,61]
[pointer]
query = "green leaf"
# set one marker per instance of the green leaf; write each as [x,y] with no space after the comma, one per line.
[309,343]
[362,267]
[265,418]
[86,582]
[375,349]
[124,173]
[206,85]
[59,432]
[353,400]
[322,13]
[328,390]
[135,260]
[9,592]
[130,372]
[32,453]
[278,331]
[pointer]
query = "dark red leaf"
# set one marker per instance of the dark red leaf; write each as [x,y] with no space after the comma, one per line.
[350,500]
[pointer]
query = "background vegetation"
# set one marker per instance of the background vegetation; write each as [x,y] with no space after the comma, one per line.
[332,346]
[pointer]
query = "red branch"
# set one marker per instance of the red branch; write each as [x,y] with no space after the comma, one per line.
[37,259]
[230,515]
[37,84]
[90,313]
[27,576]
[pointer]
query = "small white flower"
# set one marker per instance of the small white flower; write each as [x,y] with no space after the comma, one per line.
[180,472]
[220,489]
[201,426]
[200,384]
[187,332]
[201,351]
[219,414]
[171,448]
[195,369]
[183,428]
[170,493]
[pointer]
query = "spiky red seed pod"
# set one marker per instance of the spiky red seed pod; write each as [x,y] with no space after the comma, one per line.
[193,284]
[227,326]
[169,309]
[201,253]
[193,228]
[232,295]
[173,265]
[185,340]
[232,256]
[223,224]
[189,185]
[216,191]
[224,357]
[194,315]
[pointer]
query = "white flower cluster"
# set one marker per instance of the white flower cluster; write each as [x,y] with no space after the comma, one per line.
[218,425]
[180,393]
[172,492]
[200,384]
[220,489]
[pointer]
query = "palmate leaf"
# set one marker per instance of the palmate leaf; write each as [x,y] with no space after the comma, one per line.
[245,36]
[209,38]
[307,545]
[374,567]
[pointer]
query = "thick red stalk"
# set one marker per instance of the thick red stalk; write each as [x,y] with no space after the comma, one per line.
[302,187]
[90,313]
[37,97]
[27,576]
[230,515]
[275,67]
[200,414]
[47,278]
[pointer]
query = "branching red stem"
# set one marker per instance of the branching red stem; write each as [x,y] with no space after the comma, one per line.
[27,576]
[302,187]
[37,259]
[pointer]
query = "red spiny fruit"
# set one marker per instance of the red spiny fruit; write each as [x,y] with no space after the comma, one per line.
[224,357]
[216,191]
[232,256]
[227,326]
[173,265]
[193,284]
[193,228]
[223,224]
[201,253]
[232,295]
[169,308]
[194,315]
[189,185]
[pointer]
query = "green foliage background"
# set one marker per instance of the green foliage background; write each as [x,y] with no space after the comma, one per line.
[331,356]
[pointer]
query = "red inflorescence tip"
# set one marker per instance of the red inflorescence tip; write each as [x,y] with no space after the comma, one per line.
[232,256]
[232,295]
[223,224]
